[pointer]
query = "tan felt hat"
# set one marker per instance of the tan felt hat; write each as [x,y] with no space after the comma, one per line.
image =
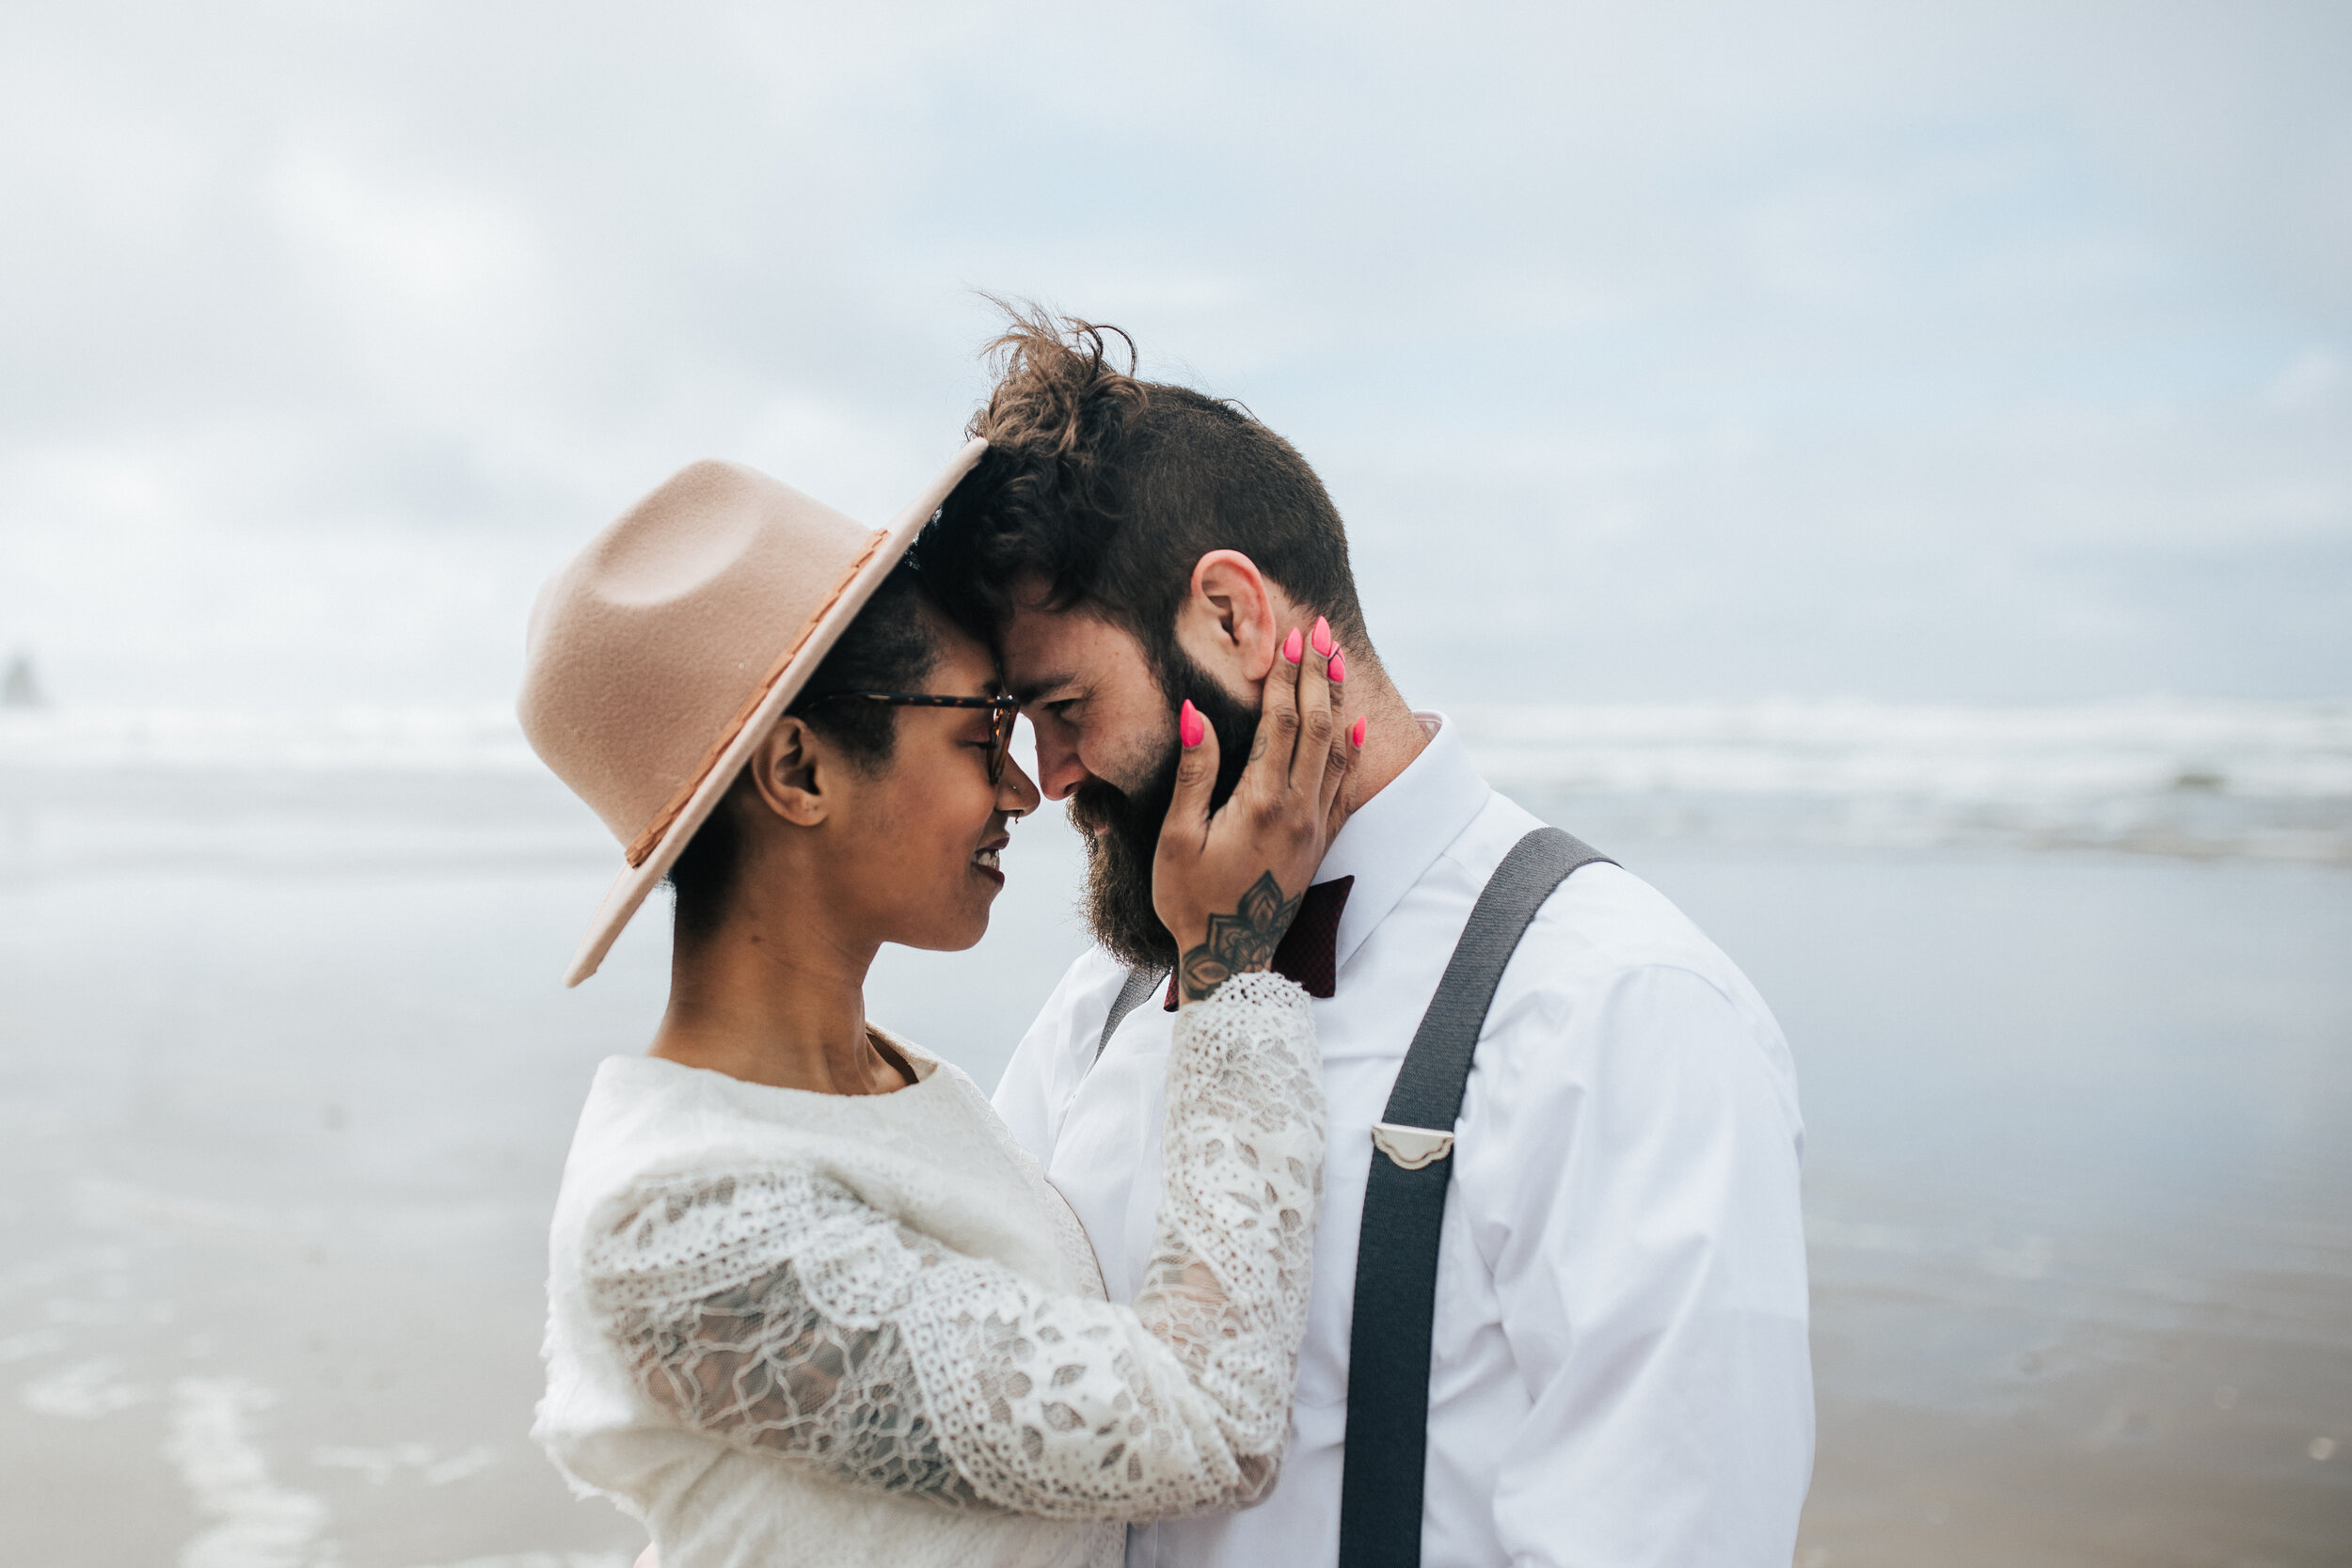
[661,654]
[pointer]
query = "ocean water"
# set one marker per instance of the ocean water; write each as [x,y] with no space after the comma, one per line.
[286,1076]
[2271,781]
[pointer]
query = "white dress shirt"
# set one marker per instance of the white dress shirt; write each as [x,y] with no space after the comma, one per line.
[1620,1372]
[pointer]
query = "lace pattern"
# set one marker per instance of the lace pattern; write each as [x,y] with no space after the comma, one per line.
[776,1309]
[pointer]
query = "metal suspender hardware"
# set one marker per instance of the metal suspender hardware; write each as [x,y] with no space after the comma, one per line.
[1397,1258]
[1411,1147]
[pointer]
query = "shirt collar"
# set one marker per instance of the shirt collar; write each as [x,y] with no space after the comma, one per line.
[1393,838]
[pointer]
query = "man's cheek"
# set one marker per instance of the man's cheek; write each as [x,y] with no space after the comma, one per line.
[1151,751]
[1115,769]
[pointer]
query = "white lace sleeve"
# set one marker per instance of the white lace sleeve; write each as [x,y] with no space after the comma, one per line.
[778,1311]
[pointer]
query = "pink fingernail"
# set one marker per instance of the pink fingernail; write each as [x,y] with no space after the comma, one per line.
[1323,635]
[1190,727]
[1358,734]
[1339,665]
[1292,646]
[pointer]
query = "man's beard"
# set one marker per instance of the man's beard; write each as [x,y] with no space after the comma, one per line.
[1118,899]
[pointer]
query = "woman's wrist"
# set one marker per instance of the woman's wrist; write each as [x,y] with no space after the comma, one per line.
[1235,943]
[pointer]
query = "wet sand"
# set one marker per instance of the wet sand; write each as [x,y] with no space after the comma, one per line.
[286,1078]
[2080,1192]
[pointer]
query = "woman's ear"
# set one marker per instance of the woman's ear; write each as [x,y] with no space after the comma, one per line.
[789,771]
[1227,623]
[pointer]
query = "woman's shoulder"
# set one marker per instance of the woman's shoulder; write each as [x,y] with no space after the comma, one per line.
[649,1100]
[651,1122]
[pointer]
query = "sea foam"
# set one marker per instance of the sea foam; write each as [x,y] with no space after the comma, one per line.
[2165,775]
[2161,775]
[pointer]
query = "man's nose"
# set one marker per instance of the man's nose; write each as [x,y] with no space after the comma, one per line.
[1058,769]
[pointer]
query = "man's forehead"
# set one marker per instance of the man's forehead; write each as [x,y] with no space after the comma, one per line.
[1044,648]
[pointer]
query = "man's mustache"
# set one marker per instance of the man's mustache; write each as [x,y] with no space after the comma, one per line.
[1086,807]
[1095,805]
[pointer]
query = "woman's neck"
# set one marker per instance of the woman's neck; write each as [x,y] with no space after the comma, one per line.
[776,1008]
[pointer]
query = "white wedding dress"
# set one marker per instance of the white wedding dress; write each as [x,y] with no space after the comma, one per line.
[790,1329]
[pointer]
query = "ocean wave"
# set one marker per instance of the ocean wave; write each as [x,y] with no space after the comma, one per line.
[1985,754]
[2155,775]
[463,740]
[2163,775]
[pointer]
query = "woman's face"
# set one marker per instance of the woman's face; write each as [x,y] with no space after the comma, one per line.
[919,837]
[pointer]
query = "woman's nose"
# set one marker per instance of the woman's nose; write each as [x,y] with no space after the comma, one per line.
[1020,788]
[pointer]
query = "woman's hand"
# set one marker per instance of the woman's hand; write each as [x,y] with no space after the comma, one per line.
[1227,885]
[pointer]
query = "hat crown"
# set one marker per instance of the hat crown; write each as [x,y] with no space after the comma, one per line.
[649,648]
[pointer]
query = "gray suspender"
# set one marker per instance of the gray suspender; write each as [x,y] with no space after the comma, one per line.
[1140,984]
[1396,1260]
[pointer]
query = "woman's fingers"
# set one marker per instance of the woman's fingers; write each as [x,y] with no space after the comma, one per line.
[1278,720]
[1187,820]
[1347,744]
[1317,727]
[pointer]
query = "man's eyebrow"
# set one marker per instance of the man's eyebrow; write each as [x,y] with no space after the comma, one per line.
[1029,691]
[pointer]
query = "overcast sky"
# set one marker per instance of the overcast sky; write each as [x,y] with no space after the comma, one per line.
[1907,351]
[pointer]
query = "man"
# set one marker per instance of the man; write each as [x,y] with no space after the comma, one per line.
[1619,1368]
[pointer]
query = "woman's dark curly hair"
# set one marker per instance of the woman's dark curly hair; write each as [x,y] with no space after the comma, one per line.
[1105,489]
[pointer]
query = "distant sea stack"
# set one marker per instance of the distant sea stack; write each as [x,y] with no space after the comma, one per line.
[18,688]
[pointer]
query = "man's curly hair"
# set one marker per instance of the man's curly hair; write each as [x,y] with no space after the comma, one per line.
[1104,490]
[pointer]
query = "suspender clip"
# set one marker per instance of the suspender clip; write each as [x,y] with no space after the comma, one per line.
[1410,1148]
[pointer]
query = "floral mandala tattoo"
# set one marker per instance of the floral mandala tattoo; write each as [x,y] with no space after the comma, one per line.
[1244,939]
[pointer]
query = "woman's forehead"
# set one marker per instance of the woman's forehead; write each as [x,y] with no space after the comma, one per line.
[967,667]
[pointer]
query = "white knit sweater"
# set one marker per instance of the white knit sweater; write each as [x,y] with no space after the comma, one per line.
[789,1328]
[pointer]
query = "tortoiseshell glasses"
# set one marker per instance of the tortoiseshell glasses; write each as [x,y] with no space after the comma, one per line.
[1002,711]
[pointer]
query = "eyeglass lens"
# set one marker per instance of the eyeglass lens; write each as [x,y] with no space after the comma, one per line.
[1000,731]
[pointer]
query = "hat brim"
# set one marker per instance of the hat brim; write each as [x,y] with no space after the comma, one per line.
[629,890]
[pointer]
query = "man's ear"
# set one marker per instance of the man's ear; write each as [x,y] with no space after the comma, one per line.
[1227,623]
[790,770]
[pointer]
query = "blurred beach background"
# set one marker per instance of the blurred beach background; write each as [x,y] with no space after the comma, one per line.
[1884,473]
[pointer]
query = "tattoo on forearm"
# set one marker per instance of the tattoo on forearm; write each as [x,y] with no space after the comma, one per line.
[1244,939]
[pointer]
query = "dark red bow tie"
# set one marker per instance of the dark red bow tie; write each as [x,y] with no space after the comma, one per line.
[1309,952]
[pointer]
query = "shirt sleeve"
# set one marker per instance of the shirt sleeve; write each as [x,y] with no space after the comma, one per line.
[776,1311]
[1649,1263]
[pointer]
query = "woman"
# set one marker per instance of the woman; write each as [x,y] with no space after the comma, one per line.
[809,1302]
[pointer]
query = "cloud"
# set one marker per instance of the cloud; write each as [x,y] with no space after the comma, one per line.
[2311,380]
[1823,347]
